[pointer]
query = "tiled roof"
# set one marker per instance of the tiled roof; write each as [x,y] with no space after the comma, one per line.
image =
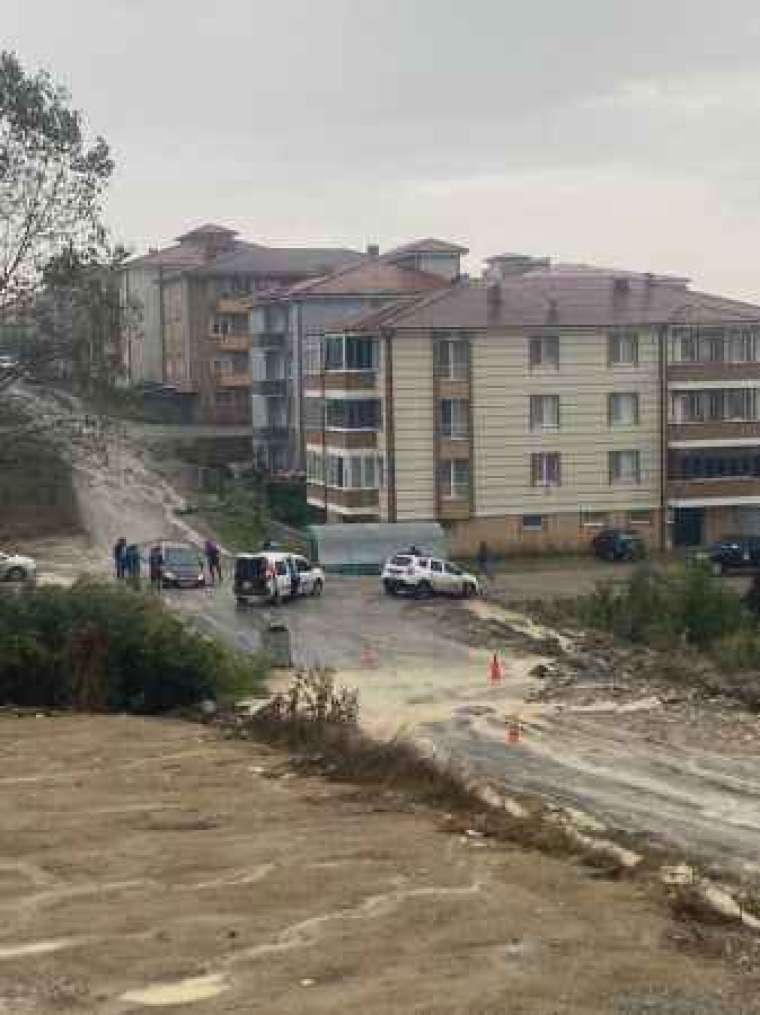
[372,276]
[286,261]
[206,230]
[558,299]
[430,245]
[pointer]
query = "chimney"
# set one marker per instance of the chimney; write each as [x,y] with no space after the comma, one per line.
[493,295]
[373,250]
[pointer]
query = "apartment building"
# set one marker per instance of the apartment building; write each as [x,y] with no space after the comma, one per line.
[197,297]
[533,407]
[286,325]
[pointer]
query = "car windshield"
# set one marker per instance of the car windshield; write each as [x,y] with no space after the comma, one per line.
[250,567]
[400,561]
[180,556]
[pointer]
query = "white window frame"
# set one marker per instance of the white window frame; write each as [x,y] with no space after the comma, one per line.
[455,364]
[537,412]
[544,352]
[595,519]
[525,527]
[546,469]
[620,395]
[620,342]
[616,474]
[458,428]
[452,487]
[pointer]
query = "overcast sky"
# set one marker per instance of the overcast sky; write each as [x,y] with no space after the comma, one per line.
[623,134]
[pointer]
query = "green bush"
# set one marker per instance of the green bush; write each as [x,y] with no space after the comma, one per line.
[663,609]
[103,647]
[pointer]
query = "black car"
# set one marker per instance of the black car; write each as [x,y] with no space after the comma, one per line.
[734,553]
[618,544]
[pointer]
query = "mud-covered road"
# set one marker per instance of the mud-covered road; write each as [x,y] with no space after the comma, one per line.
[647,768]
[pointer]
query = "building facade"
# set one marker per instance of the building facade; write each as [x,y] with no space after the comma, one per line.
[193,333]
[287,323]
[533,408]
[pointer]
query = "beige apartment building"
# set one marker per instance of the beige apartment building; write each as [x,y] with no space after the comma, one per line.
[534,407]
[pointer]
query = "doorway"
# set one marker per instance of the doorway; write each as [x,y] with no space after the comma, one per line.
[688,526]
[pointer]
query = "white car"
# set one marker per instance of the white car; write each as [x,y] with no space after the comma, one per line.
[422,575]
[274,576]
[15,568]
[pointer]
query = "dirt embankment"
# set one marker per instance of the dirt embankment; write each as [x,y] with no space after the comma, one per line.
[150,864]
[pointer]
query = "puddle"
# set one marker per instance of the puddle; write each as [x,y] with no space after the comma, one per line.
[37,947]
[160,995]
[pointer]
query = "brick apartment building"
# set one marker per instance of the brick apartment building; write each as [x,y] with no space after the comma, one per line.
[533,407]
[192,335]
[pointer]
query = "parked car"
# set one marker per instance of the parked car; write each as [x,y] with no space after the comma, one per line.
[183,566]
[618,544]
[733,553]
[15,568]
[273,576]
[422,575]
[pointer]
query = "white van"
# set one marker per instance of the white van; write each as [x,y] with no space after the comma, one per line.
[274,576]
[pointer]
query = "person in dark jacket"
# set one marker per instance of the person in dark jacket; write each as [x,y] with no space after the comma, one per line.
[484,559]
[119,556]
[213,560]
[156,567]
[132,563]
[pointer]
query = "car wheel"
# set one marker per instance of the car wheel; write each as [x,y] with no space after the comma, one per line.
[390,588]
[468,590]
[317,588]
[16,574]
[717,568]
[241,603]
[424,590]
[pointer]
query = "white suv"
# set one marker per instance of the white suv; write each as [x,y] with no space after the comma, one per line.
[415,572]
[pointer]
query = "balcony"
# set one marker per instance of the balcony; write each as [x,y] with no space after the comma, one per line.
[271,432]
[341,380]
[714,430]
[232,380]
[700,492]
[232,343]
[712,371]
[234,305]
[267,339]
[360,440]
[352,501]
[272,387]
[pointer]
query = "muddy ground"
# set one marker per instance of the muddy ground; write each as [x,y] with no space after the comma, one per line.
[150,864]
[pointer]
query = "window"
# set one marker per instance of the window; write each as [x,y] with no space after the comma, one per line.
[220,324]
[643,517]
[623,409]
[451,359]
[544,412]
[742,346]
[352,472]
[350,352]
[315,467]
[312,361]
[594,519]
[454,479]
[454,412]
[623,348]
[532,523]
[352,413]
[544,351]
[625,467]
[436,566]
[721,405]
[452,569]
[545,469]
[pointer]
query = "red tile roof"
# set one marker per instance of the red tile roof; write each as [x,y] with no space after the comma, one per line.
[372,276]
[430,245]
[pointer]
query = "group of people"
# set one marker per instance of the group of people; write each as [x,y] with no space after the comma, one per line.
[126,558]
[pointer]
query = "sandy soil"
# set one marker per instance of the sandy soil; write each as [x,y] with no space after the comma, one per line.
[149,864]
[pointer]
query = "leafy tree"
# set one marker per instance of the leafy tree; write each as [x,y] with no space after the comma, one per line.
[52,179]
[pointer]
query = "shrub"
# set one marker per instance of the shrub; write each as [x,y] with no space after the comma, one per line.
[98,646]
[662,609]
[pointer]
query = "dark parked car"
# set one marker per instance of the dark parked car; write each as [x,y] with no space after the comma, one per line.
[618,544]
[183,566]
[733,553]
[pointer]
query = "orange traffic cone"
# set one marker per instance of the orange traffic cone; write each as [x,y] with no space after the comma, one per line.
[494,670]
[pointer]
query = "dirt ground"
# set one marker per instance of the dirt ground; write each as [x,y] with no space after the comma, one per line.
[149,864]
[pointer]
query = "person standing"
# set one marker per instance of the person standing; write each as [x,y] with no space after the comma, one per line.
[484,560]
[132,564]
[156,567]
[213,560]
[119,556]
